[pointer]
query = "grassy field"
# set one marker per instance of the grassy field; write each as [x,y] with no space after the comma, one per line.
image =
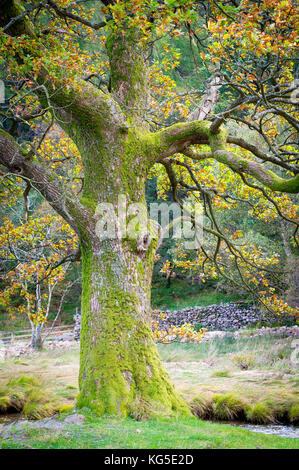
[251,379]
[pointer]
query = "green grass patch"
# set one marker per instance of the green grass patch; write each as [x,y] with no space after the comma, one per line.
[162,433]
[181,294]
[221,373]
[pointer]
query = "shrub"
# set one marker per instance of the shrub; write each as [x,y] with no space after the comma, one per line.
[244,361]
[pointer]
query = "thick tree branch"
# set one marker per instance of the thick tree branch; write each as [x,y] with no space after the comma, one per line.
[79,101]
[179,137]
[176,138]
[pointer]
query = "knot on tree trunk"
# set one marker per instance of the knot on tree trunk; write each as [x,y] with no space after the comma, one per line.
[143,243]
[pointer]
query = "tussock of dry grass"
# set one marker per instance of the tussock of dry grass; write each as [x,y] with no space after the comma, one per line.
[294,414]
[142,409]
[260,413]
[27,394]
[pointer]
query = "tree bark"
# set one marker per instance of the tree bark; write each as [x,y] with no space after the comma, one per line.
[119,361]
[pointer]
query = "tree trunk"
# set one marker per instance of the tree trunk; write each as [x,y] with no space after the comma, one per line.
[36,338]
[119,359]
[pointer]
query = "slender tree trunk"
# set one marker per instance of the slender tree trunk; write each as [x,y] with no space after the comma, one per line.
[286,245]
[36,329]
[36,337]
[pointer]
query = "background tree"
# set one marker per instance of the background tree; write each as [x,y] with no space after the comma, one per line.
[120,135]
[28,253]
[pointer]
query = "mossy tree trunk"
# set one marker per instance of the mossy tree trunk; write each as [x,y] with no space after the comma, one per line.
[119,361]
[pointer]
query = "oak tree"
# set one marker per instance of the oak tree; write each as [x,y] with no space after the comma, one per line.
[108,98]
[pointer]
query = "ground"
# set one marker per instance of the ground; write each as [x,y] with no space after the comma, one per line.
[209,374]
[181,294]
[162,433]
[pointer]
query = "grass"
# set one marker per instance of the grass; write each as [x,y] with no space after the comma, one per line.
[267,387]
[181,294]
[162,433]
[227,406]
[260,413]
[294,413]
[231,406]
[221,373]
[27,394]
[244,361]
[206,375]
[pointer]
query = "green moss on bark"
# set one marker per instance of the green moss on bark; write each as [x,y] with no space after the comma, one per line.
[119,358]
[129,73]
